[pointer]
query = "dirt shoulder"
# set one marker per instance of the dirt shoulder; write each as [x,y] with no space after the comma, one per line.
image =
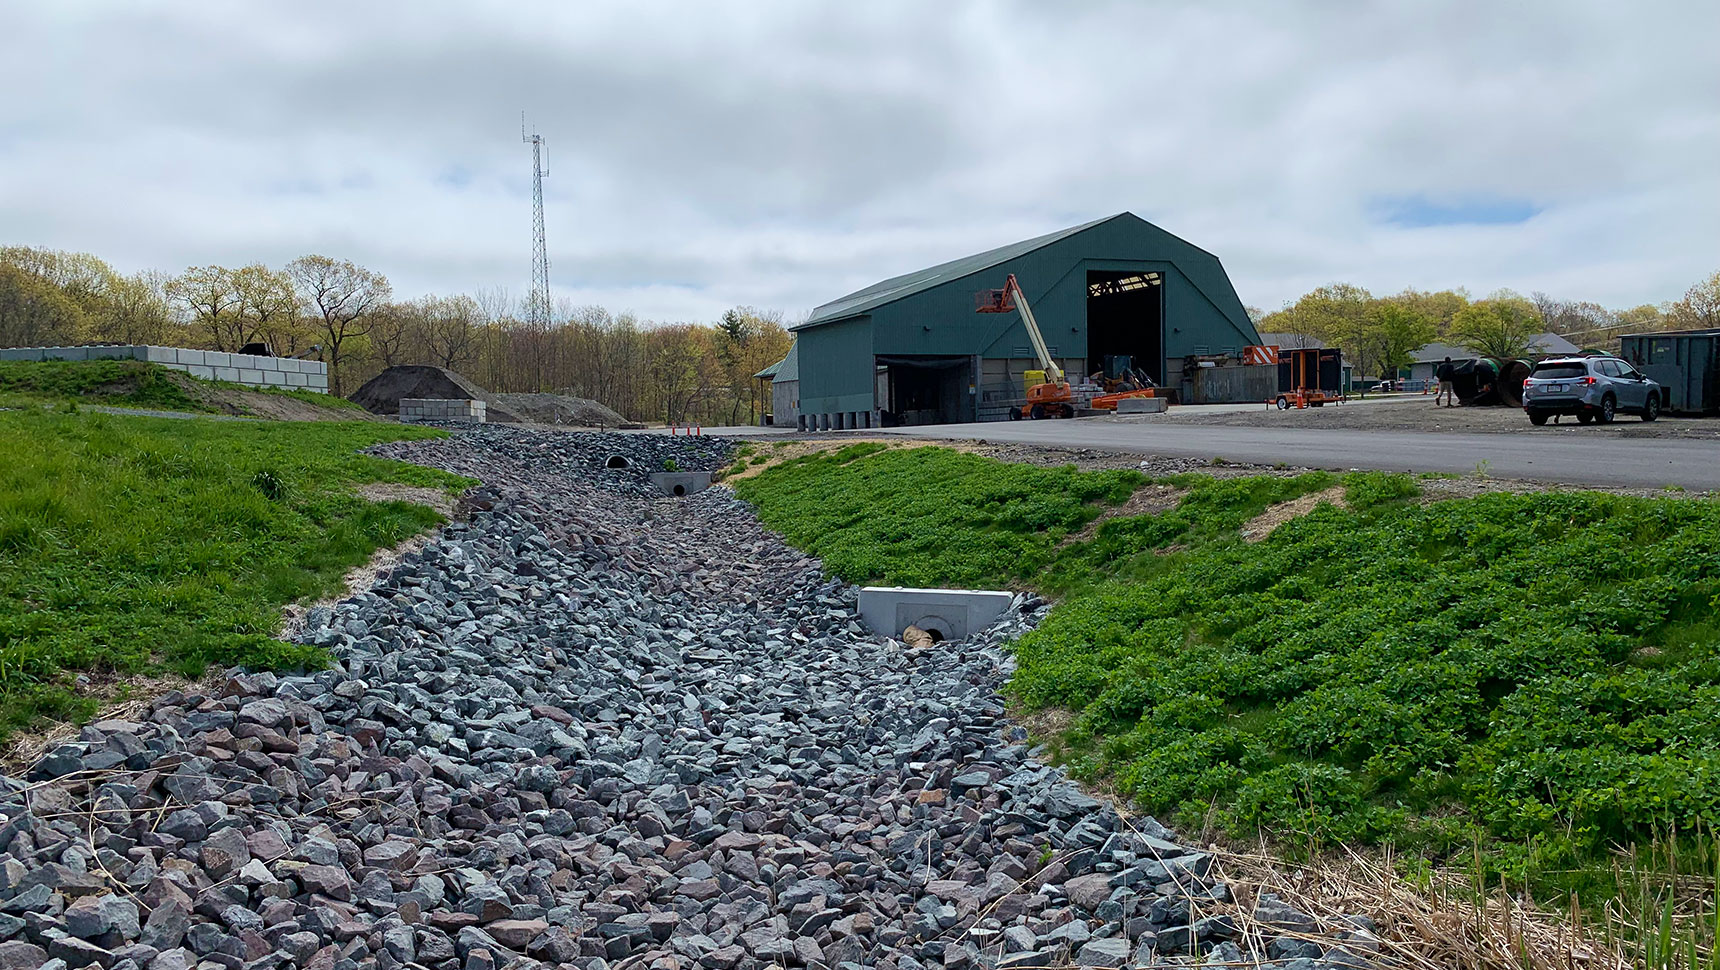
[272,407]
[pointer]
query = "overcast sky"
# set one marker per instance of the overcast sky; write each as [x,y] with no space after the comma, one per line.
[705,154]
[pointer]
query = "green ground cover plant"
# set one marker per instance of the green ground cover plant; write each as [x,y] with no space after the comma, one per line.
[1535,674]
[136,545]
[929,516]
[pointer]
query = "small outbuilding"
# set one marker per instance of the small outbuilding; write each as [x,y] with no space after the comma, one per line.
[1116,292]
[784,377]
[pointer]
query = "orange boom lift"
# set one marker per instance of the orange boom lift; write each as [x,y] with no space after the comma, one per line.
[1054,398]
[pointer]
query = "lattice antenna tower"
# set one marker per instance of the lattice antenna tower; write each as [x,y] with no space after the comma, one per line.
[537,306]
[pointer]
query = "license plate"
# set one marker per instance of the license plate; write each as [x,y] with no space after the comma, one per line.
[1558,388]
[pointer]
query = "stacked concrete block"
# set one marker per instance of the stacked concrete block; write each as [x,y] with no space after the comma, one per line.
[210,365]
[415,409]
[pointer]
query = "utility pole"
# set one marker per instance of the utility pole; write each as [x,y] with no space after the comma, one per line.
[537,306]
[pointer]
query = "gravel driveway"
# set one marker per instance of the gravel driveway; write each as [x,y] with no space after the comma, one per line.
[585,727]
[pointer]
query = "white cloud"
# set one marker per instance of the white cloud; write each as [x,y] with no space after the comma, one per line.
[782,153]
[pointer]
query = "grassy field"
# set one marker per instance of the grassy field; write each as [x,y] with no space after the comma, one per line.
[1534,675]
[136,545]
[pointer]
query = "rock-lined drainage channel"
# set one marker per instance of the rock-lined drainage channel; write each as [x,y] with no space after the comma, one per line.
[588,729]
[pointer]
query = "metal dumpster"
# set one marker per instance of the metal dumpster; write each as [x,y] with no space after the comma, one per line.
[1685,362]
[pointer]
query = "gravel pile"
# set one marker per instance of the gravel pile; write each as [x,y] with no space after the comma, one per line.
[558,408]
[589,729]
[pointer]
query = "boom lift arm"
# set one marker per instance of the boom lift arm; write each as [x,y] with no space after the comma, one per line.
[1054,398]
[1012,288]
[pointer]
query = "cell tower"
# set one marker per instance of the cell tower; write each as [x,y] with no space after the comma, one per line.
[537,307]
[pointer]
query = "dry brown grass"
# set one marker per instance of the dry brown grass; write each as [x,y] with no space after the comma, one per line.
[121,698]
[1149,499]
[776,453]
[1263,525]
[435,498]
[1440,925]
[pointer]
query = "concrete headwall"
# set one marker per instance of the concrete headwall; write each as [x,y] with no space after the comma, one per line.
[210,365]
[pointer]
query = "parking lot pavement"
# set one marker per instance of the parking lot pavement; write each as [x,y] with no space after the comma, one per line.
[1578,458]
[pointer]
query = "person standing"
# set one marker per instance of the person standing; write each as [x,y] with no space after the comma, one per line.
[1442,373]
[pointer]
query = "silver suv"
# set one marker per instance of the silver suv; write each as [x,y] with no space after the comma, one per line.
[1592,388]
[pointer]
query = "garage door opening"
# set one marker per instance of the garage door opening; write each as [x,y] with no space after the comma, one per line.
[925,390]
[1126,323]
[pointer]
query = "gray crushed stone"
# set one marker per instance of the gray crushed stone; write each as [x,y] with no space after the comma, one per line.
[586,728]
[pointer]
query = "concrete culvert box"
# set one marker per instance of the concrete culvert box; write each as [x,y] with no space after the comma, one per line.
[681,484]
[945,614]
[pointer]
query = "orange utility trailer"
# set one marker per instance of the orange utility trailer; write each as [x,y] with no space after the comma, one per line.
[1309,377]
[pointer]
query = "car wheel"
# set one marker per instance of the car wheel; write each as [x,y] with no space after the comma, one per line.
[1037,413]
[1537,418]
[1585,417]
[1651,409]
[1608,407]
[1283,403]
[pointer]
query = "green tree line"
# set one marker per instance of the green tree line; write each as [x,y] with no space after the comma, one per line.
[346,315]
[1380,334]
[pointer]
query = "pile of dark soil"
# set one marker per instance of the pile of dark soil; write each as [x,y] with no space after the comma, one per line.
[382,395]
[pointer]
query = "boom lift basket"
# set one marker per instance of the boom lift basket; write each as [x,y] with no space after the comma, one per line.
[993,301]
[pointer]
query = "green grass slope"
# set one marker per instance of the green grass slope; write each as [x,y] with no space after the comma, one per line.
[117,383]
[139,384]
[1536,673]
[136,545]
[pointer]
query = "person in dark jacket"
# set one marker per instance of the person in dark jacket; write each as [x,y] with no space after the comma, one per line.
[1442,373]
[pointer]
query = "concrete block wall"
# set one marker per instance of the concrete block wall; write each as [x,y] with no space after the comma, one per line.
[414,409]
[210,365]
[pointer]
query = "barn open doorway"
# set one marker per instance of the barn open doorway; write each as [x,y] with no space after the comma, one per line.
[1126,319]
[925,390]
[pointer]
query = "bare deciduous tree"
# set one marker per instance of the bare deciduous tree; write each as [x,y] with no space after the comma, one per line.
[343,296]
[270,308]
[450,334]
[209,294]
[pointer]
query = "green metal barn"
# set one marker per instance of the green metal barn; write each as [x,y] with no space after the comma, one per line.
[913,350]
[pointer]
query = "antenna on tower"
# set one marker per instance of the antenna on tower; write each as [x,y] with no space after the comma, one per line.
[537,306]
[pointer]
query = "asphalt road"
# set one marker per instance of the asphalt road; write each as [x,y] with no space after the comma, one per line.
[1631,463]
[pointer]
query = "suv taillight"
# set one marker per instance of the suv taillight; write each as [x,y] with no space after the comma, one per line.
[1586,380]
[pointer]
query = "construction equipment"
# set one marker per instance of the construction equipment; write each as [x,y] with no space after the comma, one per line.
[1108,402]
[1052,397]
[1308,377]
